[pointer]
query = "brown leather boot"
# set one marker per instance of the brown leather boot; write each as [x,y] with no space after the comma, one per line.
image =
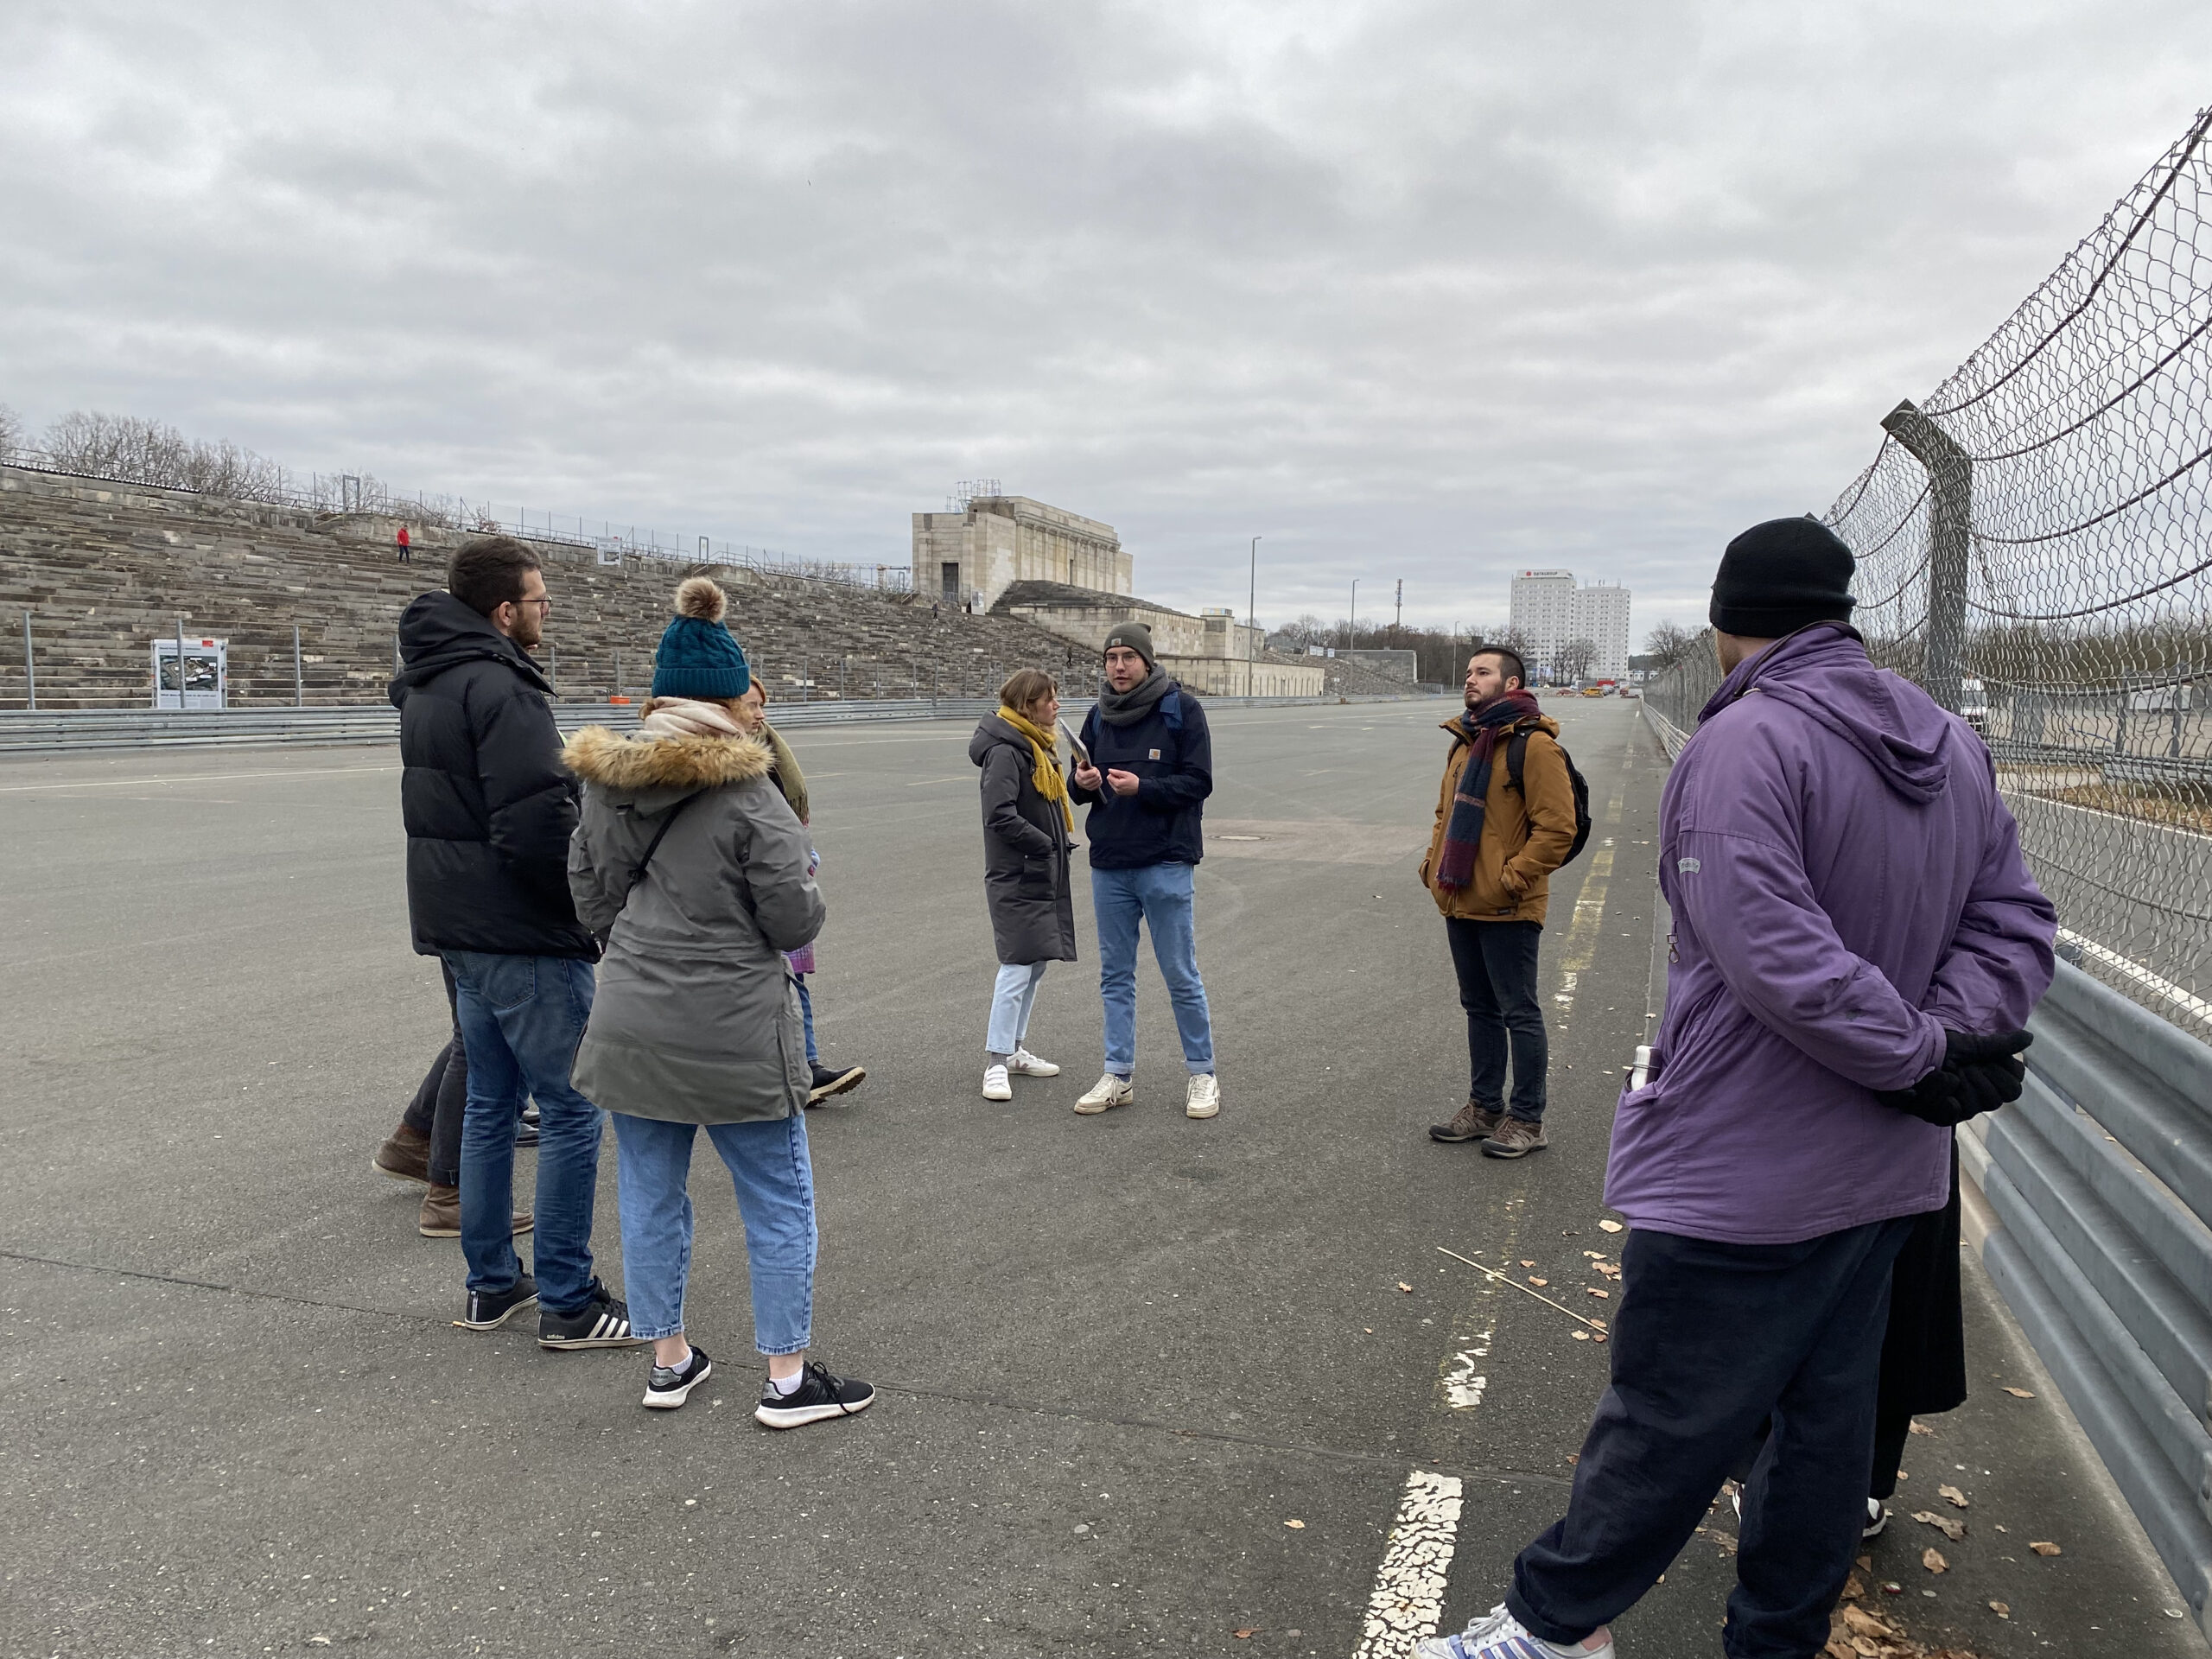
[1473,1122]
[405,1157]
[441,1216]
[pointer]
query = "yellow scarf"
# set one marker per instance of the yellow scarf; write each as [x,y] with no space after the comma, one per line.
[1046,777]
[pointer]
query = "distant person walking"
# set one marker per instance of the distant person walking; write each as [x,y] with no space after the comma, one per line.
[1504,822]
[489,808]
[1857,943]
[1028,886]
[1150,771]
[752,713]
[696,874]
[406,547]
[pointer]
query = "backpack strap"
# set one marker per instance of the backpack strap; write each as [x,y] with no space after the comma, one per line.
[1517,758]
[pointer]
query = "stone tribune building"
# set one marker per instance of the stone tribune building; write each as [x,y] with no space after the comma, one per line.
[1067,574]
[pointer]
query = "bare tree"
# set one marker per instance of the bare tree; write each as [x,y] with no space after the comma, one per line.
[139,451]
[1670,643]
[12,433]
[1571,661]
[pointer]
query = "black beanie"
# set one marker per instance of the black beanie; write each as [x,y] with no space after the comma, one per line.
[1778,576]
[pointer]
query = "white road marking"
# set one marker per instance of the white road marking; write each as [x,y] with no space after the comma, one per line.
[188,777]
[1463,1388]
[1407,1600]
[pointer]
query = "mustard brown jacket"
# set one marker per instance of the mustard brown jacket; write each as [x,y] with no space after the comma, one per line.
[1528,837]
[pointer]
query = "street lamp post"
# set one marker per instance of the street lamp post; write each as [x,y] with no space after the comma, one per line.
[1352,628]
[1251,600]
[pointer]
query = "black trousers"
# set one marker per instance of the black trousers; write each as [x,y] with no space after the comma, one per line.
[1710,1339]
[442,1097]
[1496,965]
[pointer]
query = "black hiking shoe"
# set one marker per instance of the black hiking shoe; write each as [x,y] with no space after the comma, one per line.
[833,1080]
[602,1322]
[669,1387]
[490,1309]
[818,1395]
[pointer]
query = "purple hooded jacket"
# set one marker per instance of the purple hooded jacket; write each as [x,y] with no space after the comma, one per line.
[1846,883]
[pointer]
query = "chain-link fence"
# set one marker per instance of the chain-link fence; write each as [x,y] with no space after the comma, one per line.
[2034,548]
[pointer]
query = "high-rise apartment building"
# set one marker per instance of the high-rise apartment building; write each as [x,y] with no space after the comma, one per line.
[1551,611]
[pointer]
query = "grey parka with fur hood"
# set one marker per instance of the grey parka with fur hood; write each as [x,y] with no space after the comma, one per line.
[695,1021]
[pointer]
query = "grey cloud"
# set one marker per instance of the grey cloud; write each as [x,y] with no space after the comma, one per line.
[1419,290]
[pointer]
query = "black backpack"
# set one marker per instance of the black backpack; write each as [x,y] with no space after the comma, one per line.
[1517,755]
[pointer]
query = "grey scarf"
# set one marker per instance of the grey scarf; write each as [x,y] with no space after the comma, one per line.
[1126,707]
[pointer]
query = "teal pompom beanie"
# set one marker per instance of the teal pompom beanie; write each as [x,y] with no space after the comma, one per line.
[697,657]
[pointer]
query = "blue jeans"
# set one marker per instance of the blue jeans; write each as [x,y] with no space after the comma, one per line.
[806,1019]
[521,1018]
[1160,894]
[1012,999]
[768,1165]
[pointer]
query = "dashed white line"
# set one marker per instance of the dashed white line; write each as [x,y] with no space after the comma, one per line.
[1407,1601]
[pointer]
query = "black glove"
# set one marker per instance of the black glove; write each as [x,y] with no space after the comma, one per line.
[1979,1074]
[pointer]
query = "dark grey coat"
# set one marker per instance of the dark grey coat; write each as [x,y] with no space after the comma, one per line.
[1027,881]
[695,1019]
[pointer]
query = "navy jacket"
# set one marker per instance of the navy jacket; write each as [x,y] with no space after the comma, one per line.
[1172,752]
[487,804]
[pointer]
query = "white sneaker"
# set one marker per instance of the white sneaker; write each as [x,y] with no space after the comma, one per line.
[1106,1093]
[1025,1064]
[1204,1098]
[995,1087]
[1498,1635]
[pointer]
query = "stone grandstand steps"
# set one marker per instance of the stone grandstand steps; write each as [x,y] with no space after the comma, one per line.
[105,568]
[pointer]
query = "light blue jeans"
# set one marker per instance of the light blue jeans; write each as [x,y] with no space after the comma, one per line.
[1161,895]
[521,1018]
[1012,999]
[769,1167]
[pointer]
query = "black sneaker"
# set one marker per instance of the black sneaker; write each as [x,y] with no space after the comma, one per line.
[490,1309]
[670,1387]
[830,1080]
[818,1395]
[602,1322]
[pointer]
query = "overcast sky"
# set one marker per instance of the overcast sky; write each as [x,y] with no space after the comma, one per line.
[1411,290]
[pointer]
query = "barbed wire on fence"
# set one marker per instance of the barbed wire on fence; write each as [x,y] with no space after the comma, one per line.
[2034,548]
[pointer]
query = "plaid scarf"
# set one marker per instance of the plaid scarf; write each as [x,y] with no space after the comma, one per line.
[1481,727]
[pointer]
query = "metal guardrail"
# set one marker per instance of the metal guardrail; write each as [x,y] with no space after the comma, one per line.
[53,731]
[2101,1179]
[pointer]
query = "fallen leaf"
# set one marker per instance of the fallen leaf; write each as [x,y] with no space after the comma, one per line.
[1295,1526]
[1535,1280]
[1247,1633]
[1854,1588]
[1932,1558]
[1920,1428]
[1609,1226]
[2000,1609]
[1864,1563]
[1367,1329]
[1860,1622]
[1404,1286]
[1956,1498]
[2020,1393]
[1574,1457]
[1600,1324]
[1527,1264]
[1581,1335]
[1951,1529]
[1594,1291]
[2046,1547]
[1596,1338]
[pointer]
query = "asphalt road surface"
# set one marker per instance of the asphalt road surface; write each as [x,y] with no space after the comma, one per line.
[1148,1385]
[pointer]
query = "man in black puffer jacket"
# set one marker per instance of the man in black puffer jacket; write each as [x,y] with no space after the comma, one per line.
[489,809]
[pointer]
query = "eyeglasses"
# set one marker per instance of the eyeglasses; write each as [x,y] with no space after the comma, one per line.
[545,604]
